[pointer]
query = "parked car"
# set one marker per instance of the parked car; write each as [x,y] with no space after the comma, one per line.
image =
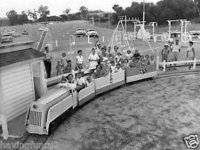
[6,38]
[25,32]
[92,33]
[195,34]
[80,32]
[14,34]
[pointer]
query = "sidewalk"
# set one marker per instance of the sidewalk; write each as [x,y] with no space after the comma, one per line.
[17,133]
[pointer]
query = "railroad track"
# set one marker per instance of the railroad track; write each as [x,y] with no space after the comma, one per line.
[40,140]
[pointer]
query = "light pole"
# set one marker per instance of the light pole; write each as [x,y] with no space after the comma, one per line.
[143,12]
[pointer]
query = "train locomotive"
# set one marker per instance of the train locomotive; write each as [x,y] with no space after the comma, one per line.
[57,101]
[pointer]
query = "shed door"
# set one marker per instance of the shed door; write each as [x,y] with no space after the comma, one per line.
[18,89]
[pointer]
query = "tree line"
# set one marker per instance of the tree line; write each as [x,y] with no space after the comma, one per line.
[158,12]
[42,14]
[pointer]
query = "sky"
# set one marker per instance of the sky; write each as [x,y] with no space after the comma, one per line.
[56,7]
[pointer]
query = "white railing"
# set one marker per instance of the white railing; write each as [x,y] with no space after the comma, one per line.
[164,64]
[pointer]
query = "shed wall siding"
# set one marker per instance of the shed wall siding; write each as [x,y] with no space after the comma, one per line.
[18,90]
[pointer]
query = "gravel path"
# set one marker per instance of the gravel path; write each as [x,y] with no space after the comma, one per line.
[148,115]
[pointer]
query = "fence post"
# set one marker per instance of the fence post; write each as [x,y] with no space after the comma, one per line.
[56,43]
[3,123]
[89,40]
[194,63]
[164,66]
[154,38]
[103,39]
[157,63]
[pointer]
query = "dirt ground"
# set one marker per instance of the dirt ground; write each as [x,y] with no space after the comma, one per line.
[149,115]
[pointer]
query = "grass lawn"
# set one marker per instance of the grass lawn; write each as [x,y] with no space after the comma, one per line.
[61,32]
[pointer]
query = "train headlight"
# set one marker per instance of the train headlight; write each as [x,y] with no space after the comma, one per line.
[35,106]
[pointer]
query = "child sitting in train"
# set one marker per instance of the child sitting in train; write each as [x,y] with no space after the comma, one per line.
[152,60]
[125,63]
[116,48]
[68,82]
[143,65]
[59,68]
[112,66]
[134,63]
[129,54]
[101,70]
[136,55]
[97,72]
[147,59]
[68,68]
[105,69]
[104,55]
[80,80]
[88,80]
[118,68]
[118,58]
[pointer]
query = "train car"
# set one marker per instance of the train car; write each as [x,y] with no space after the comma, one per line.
[86,94]
[58,100]
[49,107]
[118,78]
[136,74]
[103,84]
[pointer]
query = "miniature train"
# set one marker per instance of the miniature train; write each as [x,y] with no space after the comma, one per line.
[59,100]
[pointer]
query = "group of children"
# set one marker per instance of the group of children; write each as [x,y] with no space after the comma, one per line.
[64,65]
[172,49]
[75,82]
[101,62]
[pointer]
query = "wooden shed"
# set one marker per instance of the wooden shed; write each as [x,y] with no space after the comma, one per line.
[21,78]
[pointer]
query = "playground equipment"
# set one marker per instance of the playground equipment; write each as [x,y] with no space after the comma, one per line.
[153,24]
[119,37]
[183,34]
[163,37]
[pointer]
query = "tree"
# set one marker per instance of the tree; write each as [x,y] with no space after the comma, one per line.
[13,17]
[23,18]
[43,11]
[67,12]
[84,11]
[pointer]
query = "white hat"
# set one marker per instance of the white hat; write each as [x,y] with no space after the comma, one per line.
[166,44]
[170,40]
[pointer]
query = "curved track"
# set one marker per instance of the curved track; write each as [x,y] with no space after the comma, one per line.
[145,115]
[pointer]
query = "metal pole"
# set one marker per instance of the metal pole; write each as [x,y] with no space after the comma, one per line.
[125,24]
[169,23]
[143,11]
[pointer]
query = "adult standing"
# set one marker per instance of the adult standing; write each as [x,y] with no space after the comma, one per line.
[176,49]
[165,52]
[190,53]
[93,59]
[47,61]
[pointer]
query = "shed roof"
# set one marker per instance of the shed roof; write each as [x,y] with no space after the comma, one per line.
[19,56]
